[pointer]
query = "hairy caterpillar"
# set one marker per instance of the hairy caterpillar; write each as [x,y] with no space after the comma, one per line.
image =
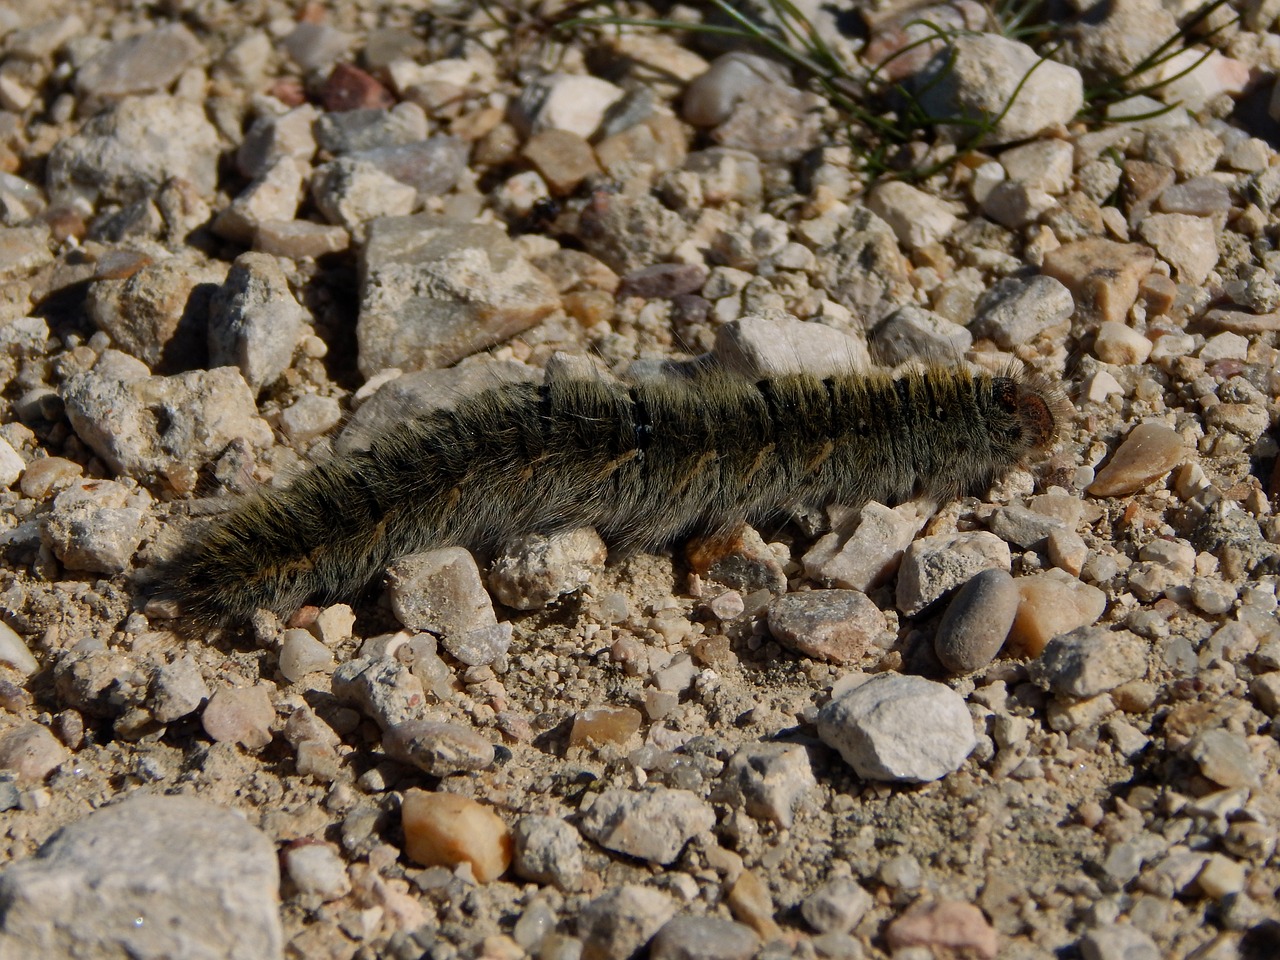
[641,462]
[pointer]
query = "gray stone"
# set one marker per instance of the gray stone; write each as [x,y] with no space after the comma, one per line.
[710,98]
[273,137]
[913,333]
[653,823]
[617,924]
[703,938]
[242,715]
[154,425]
[126,154]
[433,291]
[272,196]
[1015,312]
[151,876]
[479,646]
[548,850]
[1225,758]
[977,622]
[766,347]
[440,591]
[861,265]
[352,192]
[1089,661]
[1118,941]
[1022,526]
[424,392]
[839,626]
[431,166]
[317,871]
[438,748]
[777,123]
[767,780]
[308,417]
[837,906]
[896,727]
[368,128]
[1187,243]
[933,566]
[383,687]
[254,321]
[144,63]
[177,690]
[96,526]
[157,314]
[629,233]
[534,570]
[985,76]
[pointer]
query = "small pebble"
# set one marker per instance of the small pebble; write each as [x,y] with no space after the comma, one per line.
[31,752]
[768,780]
[301,653]
[604,725]
[1052,603]
[838,626]
[837,906]
[703,938]
[977,622]
[240,715]
[944,925]
[446,830]
[621,921]
[14,651]
[1149,452]
[438,748]
[1090,661]
[933,566]
[548,850]
[317,870]
[653,823]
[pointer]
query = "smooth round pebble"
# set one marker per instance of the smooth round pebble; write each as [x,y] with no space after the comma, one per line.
[977,622]
[14,652]
[446,830]
[703,938]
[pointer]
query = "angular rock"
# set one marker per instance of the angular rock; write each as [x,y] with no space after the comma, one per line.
[764,347]
[944,925]
[433,291]
[126,154]
[916,217]
[29,752]
[896,727]
[254,321]
[383,687]
[838,626]
[933,566]
[447,830]
[151,876]
[651,824]
[620,922]
[96,525]
[768,780]
[534,570]
[837,906]
[440,591]
[1090,661]
[703,938]
[144,426]
[158,313]
[1052,603]
[1015,312]
[1102,275]
[548,850]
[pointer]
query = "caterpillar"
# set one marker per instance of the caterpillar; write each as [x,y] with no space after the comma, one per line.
[642,462]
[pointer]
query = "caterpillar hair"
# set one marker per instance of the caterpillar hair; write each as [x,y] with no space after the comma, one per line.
[641,462]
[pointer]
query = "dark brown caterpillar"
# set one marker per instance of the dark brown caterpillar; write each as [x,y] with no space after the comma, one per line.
[643,463]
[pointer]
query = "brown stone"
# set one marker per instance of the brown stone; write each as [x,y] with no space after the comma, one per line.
[1102,275]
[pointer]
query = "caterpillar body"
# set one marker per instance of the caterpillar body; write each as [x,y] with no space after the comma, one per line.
[641,462]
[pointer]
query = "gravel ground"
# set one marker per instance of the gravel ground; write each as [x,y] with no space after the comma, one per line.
[238,238]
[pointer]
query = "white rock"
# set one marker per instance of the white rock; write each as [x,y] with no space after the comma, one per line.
[14,652]
[11,464]
[896,727]
[301,653]
[977,76]
[760,346]
[1120,344]
[917,218]
[651,824]
[153,876]
[562,101]
[1043,164]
